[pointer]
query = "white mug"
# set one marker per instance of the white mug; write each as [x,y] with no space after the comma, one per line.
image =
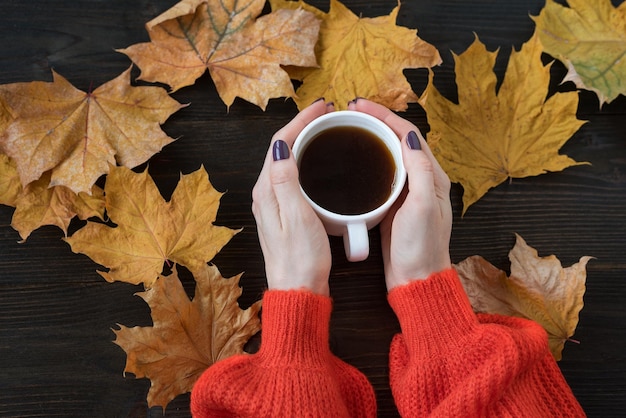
[354,228]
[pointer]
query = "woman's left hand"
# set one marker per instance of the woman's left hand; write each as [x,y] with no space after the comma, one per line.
[293,240]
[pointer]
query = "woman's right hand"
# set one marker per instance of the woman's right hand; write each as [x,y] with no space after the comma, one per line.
[416,233]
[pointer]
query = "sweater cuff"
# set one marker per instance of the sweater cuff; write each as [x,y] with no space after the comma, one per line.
[433,313]
[295,326]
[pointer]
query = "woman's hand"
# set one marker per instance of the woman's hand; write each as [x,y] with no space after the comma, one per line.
[294,243]
[416,233]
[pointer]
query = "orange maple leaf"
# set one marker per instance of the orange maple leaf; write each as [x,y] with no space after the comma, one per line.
[77,135]
[243,54]
[187,336]
[360,57]
[539,288]
[151,231]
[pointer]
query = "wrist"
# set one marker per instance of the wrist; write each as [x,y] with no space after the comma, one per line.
[401,277]
[317,287]
[312,282]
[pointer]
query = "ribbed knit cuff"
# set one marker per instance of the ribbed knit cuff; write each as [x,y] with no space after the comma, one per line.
[433,313]
[295,327]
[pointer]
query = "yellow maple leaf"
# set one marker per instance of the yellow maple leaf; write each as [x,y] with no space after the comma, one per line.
[539,288]
[187,336]
[589,37]
[151,231]
[244,54]
[361,57]
[488,138]
[77,135]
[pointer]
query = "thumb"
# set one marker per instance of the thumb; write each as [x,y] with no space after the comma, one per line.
[419,168]
[284,177]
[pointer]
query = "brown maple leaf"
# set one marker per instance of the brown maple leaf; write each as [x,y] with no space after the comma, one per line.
[243,54]
[187,336]
[151,231]
[489,137]
[78,135]
[360,57]
[539,288]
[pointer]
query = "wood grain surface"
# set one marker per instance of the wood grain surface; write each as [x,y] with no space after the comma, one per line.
[57,358]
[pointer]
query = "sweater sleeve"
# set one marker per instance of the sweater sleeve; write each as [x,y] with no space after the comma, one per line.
[293,373]
[449,361]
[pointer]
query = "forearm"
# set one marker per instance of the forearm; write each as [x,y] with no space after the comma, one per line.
[448,361]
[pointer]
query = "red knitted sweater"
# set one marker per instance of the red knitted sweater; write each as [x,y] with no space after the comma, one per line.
[447,362]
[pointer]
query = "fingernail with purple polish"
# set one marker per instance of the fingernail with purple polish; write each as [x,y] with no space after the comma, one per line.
[280,150]
[413,141]
[353,101]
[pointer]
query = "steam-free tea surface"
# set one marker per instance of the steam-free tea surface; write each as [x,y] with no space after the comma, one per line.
[347,170]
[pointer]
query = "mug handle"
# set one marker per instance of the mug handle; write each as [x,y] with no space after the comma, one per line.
[356,241]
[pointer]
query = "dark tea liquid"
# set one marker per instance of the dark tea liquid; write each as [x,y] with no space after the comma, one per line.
[347,170]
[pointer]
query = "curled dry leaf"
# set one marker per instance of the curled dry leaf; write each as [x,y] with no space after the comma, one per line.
[77,135]
[589,37]
[187,336]
[243,54]
[151,231]
[360,57]
[489,137]
[10,186]
[5,117]
[539,288]
[38,204]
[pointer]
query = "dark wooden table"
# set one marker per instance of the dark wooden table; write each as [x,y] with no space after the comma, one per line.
[56,352]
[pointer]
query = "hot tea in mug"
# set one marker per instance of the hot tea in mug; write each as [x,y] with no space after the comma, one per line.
[347,170]
[351,173]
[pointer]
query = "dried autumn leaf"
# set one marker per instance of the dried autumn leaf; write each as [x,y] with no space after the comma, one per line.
[487,138]
[151,231]
[77,135]
[180,9]
[10,186]
[38,204]
[243,53]
[361,57]
[589,38]
[187,336]
[5,116]
[539,289]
